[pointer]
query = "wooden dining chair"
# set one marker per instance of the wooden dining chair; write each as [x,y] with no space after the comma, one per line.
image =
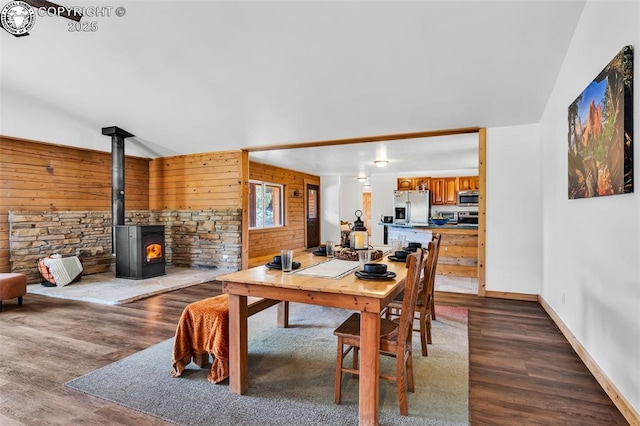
[395,339]
[424,304]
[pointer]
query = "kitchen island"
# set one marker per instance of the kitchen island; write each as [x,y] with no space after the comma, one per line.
[458,247]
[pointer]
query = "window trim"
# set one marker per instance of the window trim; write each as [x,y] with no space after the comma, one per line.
[282,209]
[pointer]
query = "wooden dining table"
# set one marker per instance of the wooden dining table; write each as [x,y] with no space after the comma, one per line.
[348,292]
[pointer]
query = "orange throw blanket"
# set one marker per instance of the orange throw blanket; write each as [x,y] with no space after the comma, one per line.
[203,328]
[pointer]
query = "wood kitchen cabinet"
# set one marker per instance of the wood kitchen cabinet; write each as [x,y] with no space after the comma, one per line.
[408,184]
[444,191]
[468,183]
[405,184]
[422,183]
[451,190]
[437,191]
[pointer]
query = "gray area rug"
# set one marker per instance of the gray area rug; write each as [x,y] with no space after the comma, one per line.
[291,378]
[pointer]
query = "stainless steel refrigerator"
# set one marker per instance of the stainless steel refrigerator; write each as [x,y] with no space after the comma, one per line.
[411,207]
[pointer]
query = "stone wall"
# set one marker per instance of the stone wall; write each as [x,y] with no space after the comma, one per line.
[200,239]
[203,239]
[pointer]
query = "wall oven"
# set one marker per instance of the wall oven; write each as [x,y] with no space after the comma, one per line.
[468,198]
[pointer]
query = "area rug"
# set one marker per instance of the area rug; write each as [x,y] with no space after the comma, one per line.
[291,378]
[106,289]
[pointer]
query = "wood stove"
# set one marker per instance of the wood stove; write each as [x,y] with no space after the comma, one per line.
[140,251]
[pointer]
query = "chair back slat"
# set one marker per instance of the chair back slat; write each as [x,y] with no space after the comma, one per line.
[426,291]
[431,269]
[415,265]
[424,286]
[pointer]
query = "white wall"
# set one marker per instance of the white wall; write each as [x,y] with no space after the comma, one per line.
[330,205]
[514,212]
[29,118]
[591,260]
[350,199]
[382,187]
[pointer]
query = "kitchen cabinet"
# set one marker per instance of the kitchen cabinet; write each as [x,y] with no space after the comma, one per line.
[468,183]
[444,191]
[409,184]
[451,191]
[405,184]
[422,183]
[437,191]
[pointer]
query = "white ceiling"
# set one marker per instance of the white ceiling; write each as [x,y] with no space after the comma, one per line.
[407,157]
[200,76]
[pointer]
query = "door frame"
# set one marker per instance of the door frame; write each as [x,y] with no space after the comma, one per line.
[308,183]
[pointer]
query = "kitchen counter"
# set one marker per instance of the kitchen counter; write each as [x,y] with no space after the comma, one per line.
[458,246]
[431,226]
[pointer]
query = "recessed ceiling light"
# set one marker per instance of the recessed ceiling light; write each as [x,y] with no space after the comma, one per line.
[381,163]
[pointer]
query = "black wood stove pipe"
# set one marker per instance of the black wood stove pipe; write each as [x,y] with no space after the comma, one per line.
[117,178]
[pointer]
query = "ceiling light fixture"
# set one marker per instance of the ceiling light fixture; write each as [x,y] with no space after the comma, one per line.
[381,163]
[362,179]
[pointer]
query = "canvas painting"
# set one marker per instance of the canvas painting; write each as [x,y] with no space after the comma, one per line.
[601,132]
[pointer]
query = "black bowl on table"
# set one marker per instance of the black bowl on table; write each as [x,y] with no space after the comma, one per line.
[277,259]
[402,255]
[375,268]
[413,245]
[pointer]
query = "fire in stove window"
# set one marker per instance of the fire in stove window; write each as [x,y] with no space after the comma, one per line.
[154,252]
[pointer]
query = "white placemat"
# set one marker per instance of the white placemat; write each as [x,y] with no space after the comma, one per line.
[332,268]
[384,249]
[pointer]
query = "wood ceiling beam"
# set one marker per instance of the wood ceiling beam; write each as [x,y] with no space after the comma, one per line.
[366,139]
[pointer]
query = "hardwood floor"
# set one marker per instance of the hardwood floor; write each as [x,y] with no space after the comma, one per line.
[522,370]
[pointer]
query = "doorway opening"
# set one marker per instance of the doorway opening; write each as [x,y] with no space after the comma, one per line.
[329,155]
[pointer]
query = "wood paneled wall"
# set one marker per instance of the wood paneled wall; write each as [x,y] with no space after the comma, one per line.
[38,176]
[293,234]
[209,181]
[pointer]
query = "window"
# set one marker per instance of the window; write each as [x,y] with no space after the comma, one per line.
[265,205]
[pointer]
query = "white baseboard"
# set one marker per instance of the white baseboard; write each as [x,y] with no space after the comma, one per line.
[629,413]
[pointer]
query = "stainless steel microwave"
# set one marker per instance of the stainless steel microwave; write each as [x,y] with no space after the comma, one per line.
[468,198]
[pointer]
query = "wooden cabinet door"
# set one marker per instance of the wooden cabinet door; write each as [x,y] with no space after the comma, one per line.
[450,190]
[405,184]
[466,183]
[437,191]
[418,183]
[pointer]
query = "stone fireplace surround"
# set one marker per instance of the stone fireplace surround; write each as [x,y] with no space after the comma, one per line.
[195,239]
